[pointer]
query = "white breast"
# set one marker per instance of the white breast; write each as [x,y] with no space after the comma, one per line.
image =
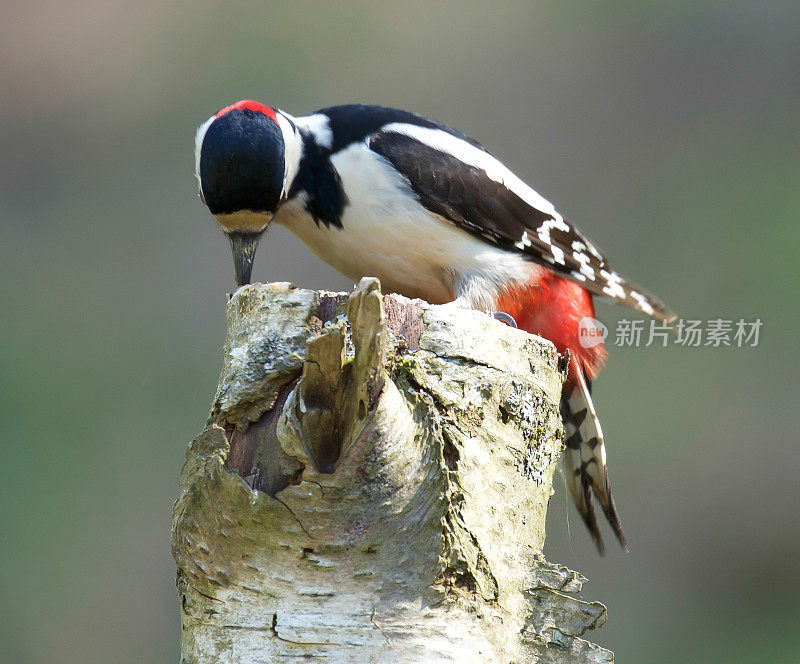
[388,234]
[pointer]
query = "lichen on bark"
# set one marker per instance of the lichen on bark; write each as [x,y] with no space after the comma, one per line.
[372,486]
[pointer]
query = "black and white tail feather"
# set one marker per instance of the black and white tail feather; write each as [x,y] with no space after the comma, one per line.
[584,459]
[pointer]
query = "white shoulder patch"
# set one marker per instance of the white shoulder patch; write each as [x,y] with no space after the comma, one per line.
[469,154]
[319,125]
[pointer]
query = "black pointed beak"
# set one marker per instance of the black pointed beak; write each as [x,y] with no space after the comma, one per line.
[243,248]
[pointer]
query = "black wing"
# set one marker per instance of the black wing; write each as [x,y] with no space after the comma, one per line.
[486,199]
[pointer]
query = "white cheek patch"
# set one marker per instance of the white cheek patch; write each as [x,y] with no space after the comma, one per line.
[292,151]
[198,147]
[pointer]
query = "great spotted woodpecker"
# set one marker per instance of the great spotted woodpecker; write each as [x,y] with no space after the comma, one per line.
[377,191]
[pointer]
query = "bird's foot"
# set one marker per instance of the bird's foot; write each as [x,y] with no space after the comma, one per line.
[503,317]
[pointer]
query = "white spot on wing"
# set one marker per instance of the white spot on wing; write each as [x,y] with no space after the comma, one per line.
[544,235]
[586,270]
[550,224]
[594,251]
[642,301]
[614,281]
[524,242]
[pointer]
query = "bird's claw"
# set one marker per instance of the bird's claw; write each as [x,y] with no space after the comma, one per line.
[503,317]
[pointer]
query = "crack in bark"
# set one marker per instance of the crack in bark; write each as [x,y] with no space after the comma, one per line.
[377,624]
[299,523]
[274,631]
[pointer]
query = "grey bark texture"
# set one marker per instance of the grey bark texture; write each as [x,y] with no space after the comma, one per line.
[372,486]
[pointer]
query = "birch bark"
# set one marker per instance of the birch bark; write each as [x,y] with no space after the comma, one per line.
[372,486]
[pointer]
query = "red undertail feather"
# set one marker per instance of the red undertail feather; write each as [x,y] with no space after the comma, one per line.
[553,307]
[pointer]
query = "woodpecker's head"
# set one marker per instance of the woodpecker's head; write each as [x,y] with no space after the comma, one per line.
[246,157]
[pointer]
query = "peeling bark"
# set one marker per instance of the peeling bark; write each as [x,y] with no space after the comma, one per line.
[372,486]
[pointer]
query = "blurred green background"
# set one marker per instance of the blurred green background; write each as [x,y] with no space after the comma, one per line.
[668,131]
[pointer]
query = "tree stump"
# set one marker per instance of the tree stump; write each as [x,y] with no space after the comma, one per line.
[372,486]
